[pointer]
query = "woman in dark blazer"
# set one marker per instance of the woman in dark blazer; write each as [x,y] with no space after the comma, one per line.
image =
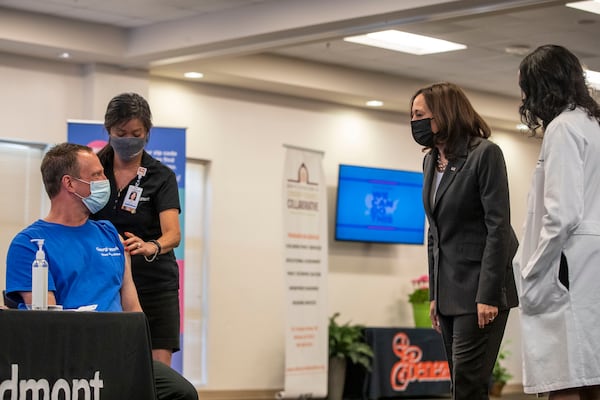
[470,241]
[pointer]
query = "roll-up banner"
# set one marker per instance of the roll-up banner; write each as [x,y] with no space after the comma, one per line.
[305,269]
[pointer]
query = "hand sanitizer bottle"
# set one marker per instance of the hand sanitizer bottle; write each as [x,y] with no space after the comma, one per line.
[39,278]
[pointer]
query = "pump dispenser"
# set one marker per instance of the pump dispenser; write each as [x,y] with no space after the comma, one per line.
[39,278]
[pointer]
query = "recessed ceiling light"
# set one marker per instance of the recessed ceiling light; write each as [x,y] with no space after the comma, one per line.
[64,55]
[405,42]
[194,75]
[517,49]
[589,6]
[374,103]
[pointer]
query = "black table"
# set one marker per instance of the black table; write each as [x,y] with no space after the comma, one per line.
[99,355]
[408,362]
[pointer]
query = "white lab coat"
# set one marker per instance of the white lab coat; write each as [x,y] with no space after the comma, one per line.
[560,327]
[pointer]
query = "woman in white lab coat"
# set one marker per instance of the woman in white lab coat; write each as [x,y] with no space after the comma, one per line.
[557,265]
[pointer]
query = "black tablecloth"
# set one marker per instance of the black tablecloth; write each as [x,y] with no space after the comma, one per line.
[407,363]
[98,355]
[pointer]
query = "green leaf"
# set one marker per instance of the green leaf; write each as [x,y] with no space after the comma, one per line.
[347,341]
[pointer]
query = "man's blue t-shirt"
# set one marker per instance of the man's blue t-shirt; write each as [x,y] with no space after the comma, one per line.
[85,263]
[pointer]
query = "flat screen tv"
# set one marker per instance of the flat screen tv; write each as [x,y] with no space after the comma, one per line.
[379,205]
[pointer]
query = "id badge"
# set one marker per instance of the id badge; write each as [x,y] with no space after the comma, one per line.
[132,198]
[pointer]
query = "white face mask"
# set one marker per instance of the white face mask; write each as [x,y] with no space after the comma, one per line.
[99,195]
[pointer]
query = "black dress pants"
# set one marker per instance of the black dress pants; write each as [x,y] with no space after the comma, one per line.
[170,385]
[471,353]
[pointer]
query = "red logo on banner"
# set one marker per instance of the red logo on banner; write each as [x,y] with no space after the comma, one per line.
[410,368]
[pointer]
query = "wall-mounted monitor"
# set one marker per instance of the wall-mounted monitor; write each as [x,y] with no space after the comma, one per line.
[379,205]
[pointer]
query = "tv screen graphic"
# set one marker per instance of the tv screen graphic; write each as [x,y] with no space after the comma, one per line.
[379,205]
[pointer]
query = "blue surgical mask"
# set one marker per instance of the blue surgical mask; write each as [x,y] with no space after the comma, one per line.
[127,148]
[99,195]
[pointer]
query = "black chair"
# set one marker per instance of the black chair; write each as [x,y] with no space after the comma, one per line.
[11,300]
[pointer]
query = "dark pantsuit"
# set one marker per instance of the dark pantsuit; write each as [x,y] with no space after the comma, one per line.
[170,385]
[471,353]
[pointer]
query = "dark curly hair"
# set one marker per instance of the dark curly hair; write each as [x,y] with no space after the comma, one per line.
[552,80]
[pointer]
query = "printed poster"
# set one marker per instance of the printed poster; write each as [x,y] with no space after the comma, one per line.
[305,267]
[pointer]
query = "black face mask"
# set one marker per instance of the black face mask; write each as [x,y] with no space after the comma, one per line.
[421,131]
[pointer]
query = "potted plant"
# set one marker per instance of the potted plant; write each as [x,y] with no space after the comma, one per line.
[419,298]
[345,343]
[500,374]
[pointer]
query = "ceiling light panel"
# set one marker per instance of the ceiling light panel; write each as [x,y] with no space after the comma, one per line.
[405,42]
[589,6]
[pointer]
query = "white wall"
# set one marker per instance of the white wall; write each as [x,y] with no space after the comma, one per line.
[241,133]
[37,98]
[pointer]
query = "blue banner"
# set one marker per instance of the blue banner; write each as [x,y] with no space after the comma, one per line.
[166,145]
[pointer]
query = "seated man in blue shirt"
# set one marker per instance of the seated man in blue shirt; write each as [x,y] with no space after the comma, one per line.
[87,264]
